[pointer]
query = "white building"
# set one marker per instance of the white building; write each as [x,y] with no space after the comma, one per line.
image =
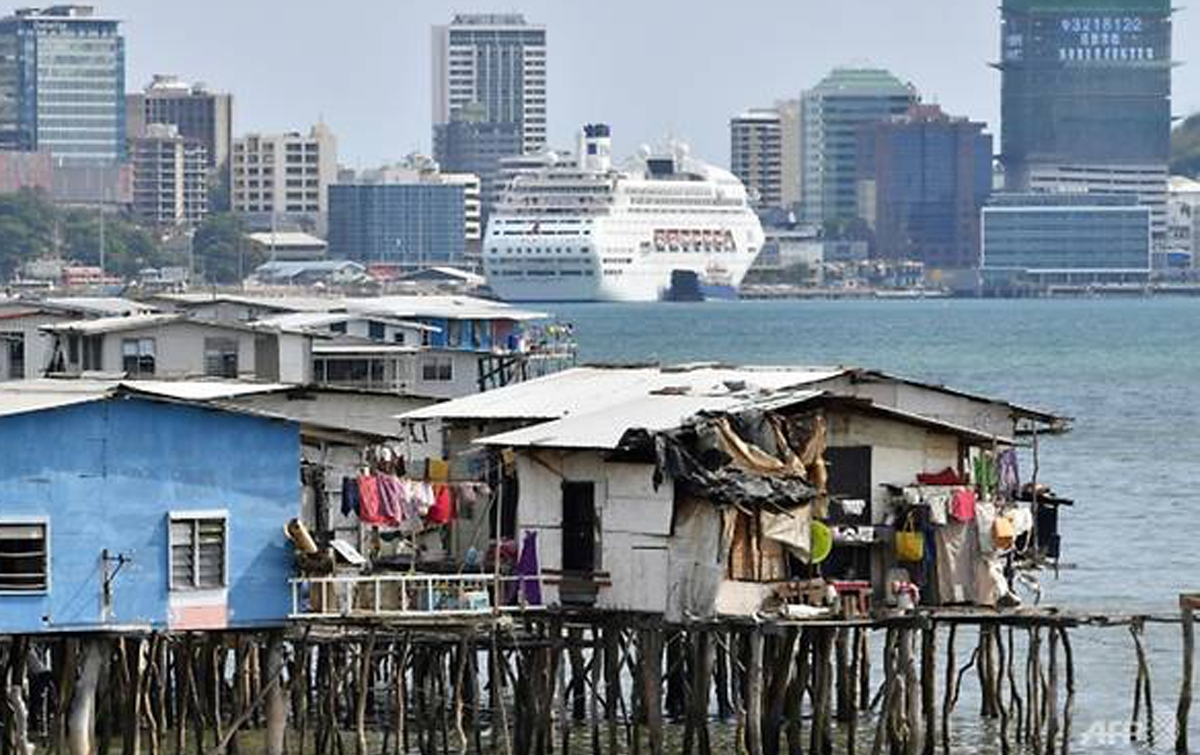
[174,347]
[283,179]
[496,63]
[25,347]
[1183,221]
[1148,183]
[170,178]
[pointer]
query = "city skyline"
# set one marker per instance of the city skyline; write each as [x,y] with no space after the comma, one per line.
[648,84]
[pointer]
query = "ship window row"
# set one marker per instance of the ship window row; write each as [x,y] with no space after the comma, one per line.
[545,273]
[535,250]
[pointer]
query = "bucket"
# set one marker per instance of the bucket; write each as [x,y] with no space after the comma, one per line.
[820,542]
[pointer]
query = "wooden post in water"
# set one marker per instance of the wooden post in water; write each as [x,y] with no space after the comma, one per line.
[754,693]
[1189,605]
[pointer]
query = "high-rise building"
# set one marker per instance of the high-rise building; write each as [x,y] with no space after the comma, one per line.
[283,180]
[469,145]
[756,155]
[412,225]
[497,63]
[62,85]
[765,154]
[923,178]
[170,177]
[831,114]
[196,112]
[1086,98]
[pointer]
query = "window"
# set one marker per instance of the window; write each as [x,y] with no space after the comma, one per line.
[376,331]
[23,557]
[437,369]
[221,357]
[16,354]
[198,544]
[137,357]
[338,327]
[93,353]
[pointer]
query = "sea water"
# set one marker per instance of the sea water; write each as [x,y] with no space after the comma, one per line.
[1128,373]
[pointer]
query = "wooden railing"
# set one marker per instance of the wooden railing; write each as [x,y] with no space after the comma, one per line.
[406,595]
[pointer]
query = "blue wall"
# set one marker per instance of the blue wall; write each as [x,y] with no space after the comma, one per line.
[106,474]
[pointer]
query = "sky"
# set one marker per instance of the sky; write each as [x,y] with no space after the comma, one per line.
[650,68]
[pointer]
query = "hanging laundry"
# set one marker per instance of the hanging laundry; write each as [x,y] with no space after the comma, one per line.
[409,496]
[946,477]
[350,500]
[528,574]
[986,478]
[962,504]
[438,470]
[442,510]
[368,494]
[423,497]
[1010,477]
[389,499]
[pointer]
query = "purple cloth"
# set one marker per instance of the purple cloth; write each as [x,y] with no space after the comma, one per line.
[528,573]
[390,493]
[1010,477]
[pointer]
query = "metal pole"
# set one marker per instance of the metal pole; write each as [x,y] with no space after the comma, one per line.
[102,239]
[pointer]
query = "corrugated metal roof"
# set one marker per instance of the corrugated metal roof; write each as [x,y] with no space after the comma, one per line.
[202,390]
[286,239]
[587,389]
[305,320]
[449,307]
[99,305]
[112,324]
[604,429]
[25,396]
[43,394]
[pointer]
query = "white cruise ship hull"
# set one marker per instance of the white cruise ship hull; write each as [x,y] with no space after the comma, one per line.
[640,281]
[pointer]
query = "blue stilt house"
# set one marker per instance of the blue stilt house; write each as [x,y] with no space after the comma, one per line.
[124,511]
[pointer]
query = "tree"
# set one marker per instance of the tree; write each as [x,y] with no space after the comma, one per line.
[1185,147]
[27,228]
[128,248]
[220,251]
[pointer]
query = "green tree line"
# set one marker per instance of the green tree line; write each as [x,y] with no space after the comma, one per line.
[33,227]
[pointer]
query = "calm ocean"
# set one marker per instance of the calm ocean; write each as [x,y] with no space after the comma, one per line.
[1127,371]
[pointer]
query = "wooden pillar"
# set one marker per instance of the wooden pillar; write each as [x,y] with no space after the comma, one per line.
[782,651]
[929,687]
[83,702]
[754,693]
[1069,703]
[1188,604]
[276,702]
[948,691]
[1052,694]
[651,654]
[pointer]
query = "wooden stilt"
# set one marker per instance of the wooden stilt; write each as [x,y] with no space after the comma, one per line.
[754,693]
[1188,604]
[929,687]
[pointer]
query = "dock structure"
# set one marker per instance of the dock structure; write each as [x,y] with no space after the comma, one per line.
[552,681]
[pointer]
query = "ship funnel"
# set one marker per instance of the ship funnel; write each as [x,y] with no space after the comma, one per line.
[595,148]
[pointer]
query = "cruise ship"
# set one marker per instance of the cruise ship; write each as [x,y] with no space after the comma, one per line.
[583,230]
